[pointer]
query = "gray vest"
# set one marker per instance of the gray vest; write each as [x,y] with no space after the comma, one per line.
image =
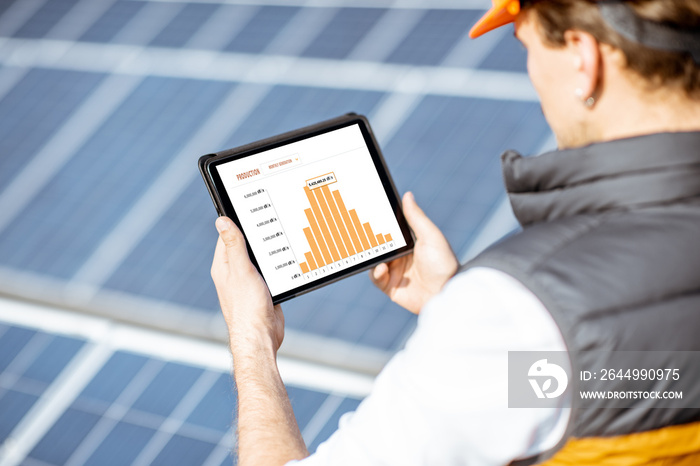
[611,246]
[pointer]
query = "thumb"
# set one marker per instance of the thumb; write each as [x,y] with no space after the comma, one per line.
[231,236]
[421,225]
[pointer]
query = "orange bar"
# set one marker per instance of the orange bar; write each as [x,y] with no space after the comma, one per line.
[388,238]
[331,224]
[304,267]
[370,234]
[319,239]
[324,229]
[310,260]
[348,222]
[360,231]
[312,244]
[338,220]
[380,238]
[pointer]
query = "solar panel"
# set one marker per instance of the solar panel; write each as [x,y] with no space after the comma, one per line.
[184,25]
[37,105]
[135,407]
[30,361]
[509,55]
[342,34]
[45,18]
[261,29]
[433,37]
[112,21]
[106,105]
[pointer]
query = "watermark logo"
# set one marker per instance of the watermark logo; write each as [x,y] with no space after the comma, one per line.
[604,379]
[546,372]
[538,379]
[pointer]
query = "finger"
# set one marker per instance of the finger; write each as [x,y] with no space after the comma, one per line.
[418,221]
[380,270]
[380,276]
[397,271]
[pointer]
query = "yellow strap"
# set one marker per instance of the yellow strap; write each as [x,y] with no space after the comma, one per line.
[669,446]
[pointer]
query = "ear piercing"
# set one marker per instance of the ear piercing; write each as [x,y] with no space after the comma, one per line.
[589,102]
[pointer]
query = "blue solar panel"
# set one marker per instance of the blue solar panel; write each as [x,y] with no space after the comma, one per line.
[112,21]
[34,109]
[54,357]
[112,379]
[305,403]
[29,362]
[232,461]
[331,426]
[127,402]
[215,409]
[4,6]
[343,32]
[64,436]
[433,37]
[287,107]
[167,389]
[35,358]
[184,450]
[508,55]
[261,29]
[111,451]
[184,25]
[11,343]
[45,18]
[186,251]
[147,130]
[13,406]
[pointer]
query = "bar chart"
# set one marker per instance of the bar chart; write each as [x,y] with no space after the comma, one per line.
[312,208]
[334,232]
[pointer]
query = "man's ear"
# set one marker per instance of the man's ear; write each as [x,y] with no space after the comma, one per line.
[586,61]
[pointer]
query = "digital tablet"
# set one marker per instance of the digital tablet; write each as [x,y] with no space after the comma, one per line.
[315,205]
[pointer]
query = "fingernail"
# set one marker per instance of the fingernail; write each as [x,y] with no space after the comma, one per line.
[222,224]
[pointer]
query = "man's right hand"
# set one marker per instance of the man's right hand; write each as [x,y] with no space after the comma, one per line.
[410,281]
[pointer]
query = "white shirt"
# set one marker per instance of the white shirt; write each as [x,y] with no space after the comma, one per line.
[443,399]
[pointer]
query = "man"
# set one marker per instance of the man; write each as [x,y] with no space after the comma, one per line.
[608,260]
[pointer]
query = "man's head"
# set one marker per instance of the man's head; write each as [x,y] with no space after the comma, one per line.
[607,69]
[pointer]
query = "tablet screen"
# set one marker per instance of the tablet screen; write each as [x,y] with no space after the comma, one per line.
[312,208]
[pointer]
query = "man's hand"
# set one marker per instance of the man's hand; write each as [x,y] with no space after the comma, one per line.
[245,300]
[267,429]
[410,281]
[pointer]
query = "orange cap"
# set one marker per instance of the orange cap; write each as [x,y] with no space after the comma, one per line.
[501,13]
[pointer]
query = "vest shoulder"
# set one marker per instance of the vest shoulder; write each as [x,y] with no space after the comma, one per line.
[661,237]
